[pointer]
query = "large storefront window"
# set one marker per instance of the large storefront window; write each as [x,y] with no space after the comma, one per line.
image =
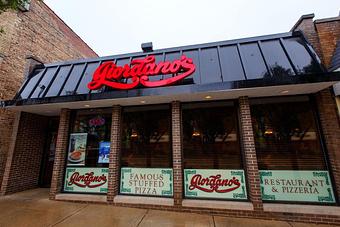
[211,152]
[146,157]
[88,152]
[291,160]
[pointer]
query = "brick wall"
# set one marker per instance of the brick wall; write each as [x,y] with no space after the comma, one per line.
[331,132]
[38,32]
[176,117]
[23,171]
[248,147]
[60,153]
[114,158]
[328,31]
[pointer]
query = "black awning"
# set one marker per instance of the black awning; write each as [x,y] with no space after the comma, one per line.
[259,61]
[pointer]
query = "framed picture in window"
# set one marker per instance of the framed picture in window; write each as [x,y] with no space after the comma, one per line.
[104,152]
[77,149]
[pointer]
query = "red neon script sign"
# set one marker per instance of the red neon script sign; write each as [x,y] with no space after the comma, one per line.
[109,74]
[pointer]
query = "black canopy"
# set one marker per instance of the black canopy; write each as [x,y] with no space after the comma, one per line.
[271,60]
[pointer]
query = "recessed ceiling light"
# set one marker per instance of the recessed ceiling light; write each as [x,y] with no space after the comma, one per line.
[86,105]
[284,92]
[143,101]
[208,97]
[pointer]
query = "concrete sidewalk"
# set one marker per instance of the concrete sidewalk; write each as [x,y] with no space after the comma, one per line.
[32,208]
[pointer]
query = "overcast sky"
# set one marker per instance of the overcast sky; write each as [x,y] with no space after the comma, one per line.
[114,27]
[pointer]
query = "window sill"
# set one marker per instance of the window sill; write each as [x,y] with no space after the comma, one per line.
[81,197]
[303,209]
[143,200]
[215,204]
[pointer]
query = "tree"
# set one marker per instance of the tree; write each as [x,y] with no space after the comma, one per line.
[11,4]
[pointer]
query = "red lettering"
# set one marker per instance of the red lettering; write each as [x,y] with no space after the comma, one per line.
[87,180]
[213,183]
[109,74]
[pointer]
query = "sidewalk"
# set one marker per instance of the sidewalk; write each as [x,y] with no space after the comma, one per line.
[32,208]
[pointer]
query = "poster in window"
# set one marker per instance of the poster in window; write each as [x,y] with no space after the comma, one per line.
[77,149]
[297,185]
[104,152]
[86,180]
[215,183]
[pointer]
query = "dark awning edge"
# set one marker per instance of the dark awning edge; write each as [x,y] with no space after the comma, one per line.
[285,58]
[189,89]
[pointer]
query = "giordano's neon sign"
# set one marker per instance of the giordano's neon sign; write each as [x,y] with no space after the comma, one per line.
[139,71]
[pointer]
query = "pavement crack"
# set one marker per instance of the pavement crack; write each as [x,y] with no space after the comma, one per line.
[213,217]
[147,211]
[68,216]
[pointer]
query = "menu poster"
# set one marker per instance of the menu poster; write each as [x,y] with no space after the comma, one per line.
[77,149]
[104,152]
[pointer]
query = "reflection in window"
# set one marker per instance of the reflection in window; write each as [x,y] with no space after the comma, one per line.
[97,126]
[302,60]
[210,136]
[286,137]
[146,137]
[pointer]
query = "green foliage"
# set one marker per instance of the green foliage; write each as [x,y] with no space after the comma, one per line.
[11,4]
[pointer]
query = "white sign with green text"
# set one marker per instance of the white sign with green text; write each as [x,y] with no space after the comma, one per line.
[291,185]
[215,183]
[146,181]
[89,180]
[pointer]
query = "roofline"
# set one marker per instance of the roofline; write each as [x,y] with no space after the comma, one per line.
[174,49]
[324,20]
[303,17]
[68,26]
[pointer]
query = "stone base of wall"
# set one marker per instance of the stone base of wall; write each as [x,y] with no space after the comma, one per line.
[302,213]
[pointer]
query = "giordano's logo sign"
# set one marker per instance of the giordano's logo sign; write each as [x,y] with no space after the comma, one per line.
[139,71]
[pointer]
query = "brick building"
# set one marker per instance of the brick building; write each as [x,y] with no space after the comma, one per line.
[31,35]
[245,128]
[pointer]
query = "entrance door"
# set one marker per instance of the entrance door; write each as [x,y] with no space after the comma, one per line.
[49,153]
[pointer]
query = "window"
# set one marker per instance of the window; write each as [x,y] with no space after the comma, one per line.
[290,157]
[146,157]
[211,151]
[88,152]
[146,137]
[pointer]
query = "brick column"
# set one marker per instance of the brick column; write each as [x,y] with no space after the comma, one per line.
[331,132]
[9,159]
[248,147]
[60,153]
[113,184]
[177,152]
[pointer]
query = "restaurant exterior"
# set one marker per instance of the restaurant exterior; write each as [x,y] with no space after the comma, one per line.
[244,128]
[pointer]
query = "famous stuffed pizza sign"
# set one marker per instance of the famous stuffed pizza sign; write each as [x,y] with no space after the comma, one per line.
[146,181]
[215,183]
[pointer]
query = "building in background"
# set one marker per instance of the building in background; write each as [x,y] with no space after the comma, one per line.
[32,35]
[244,128]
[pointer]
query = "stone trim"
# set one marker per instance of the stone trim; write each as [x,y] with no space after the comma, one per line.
[302,209]
[215,204]
[143,200]
[81,198]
